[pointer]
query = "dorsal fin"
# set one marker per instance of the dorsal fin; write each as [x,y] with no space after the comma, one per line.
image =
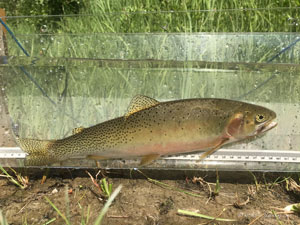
[140,102]
[77,130]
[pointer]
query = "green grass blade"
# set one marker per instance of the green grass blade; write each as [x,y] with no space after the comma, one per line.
[173,188]
[168,186]
[107,204]
[58,211]
[105,187]
[88,215]
[2,219]
[50,221]
[189,213]
[67,202]
[10,178]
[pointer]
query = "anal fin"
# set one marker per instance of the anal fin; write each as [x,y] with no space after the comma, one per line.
[148,159]
[96,157]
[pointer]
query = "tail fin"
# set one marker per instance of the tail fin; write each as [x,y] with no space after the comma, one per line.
[39,151]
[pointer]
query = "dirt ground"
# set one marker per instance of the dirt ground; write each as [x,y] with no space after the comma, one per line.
[143,202]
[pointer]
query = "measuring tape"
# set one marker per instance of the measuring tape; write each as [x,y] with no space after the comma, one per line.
[12,153]
[223,159]
[247,156]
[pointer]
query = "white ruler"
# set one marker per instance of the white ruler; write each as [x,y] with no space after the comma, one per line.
[223,159]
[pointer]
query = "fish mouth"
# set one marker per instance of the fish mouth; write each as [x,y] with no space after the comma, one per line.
[266,126]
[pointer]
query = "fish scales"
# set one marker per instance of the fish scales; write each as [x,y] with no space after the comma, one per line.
[154,123]
[151,128]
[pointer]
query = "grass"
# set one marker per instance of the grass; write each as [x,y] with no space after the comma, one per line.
[106,187]
[257,184]
[189,213]
[171,16]
[2,219]
[85,218]
[58,211]
[20,181]
[277,218]
[294,208]
[164,185]
[218,186]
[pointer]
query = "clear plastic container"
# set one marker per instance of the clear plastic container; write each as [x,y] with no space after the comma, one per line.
[72,80]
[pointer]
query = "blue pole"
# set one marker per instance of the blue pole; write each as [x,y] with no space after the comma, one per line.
[14,37]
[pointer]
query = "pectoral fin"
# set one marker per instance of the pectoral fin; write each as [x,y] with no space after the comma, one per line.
[232,129]
[211,151]
[148,159]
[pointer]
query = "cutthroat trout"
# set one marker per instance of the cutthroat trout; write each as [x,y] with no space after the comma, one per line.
[151,129]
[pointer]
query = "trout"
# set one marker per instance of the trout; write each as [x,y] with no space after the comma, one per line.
[151,129]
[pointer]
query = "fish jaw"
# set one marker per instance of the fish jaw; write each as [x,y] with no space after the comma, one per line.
[266,127]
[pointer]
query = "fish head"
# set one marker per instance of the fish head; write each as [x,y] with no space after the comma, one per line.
[251,120]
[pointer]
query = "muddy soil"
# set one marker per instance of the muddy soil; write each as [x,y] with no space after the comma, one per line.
[143,202]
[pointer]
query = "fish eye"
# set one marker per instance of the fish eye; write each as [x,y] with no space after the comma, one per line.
[260,118]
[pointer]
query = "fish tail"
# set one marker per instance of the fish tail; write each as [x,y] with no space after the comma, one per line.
[40,152]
